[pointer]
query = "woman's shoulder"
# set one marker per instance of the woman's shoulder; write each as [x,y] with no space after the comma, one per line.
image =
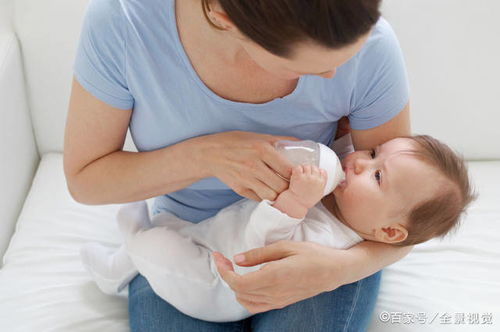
[382,40]
[104,10]
[118,12]
[380,50]
[380,56]
[380,84]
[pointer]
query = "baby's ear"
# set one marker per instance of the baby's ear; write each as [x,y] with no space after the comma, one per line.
[392,234]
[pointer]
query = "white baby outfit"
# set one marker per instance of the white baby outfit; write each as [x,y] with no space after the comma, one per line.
[174,254]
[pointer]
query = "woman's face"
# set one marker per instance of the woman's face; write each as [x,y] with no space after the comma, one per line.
[307,59]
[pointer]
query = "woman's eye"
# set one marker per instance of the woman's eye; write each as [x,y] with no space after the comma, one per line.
[378,176]
[372,154]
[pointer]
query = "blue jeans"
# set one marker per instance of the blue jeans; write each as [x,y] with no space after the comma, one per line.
[347,308]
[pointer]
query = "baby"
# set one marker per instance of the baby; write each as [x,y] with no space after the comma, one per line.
[403,192]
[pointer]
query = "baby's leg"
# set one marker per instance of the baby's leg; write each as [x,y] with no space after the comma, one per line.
[160,249]
[159,252]
[111,269]
[182,273]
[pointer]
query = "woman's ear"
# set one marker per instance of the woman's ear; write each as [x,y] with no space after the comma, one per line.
[221,20]
[219,17]
[391,234]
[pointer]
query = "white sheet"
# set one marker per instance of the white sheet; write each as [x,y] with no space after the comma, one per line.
[459,274]
[44,287]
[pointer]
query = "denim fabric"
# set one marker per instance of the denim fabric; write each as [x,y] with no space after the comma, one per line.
[348,308]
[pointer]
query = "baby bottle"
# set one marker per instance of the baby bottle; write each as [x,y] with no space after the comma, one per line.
[312,153]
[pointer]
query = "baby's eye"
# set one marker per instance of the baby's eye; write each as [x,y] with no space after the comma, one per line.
[378,176]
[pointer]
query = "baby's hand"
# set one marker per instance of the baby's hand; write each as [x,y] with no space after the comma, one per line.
[307,184]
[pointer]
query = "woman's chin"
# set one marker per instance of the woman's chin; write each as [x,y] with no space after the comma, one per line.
[284,76]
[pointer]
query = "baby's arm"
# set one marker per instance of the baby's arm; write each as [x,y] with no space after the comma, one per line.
[270,223]
[306,189]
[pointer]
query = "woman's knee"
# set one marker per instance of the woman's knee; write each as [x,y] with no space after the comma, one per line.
[149,312]
[347,308]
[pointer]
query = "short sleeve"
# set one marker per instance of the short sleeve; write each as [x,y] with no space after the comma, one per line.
[380,88]
[100,62]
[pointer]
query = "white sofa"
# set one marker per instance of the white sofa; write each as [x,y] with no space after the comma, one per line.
[452,54]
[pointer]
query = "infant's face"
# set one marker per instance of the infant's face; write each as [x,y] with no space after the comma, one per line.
[383,184]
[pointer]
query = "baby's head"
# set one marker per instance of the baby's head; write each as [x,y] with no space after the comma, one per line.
[405,191]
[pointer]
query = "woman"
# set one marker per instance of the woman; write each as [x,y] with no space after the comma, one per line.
[207,86]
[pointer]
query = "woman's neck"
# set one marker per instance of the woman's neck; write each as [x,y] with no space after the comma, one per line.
[211,41]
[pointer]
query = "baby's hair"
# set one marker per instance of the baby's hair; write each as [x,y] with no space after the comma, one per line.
[440,214]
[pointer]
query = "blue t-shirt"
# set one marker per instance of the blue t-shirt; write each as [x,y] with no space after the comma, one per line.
[130,57]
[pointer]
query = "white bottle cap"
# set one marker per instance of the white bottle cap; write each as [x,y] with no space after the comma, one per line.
[329,161]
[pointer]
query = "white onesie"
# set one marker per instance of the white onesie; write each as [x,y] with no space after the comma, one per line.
[174,255]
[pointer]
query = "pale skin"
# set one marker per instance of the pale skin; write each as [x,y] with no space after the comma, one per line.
[305,191]
[276,284]
[381,187]
[99,172]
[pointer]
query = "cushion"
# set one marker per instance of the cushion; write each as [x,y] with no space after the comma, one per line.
[43,285]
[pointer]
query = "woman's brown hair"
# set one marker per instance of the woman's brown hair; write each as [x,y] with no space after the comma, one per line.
[440,214]
[277,25]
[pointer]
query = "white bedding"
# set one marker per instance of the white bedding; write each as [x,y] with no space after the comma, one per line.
[44,287]
[459,274]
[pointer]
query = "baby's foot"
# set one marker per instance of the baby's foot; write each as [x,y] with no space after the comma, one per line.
[111,269]
[133,217]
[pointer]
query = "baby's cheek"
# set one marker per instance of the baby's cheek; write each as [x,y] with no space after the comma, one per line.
[350,198]
[357,197]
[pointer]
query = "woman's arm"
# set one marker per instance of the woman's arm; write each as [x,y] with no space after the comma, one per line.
[300,270]
[98,171]
[369,257]
[366,258]
[370,138]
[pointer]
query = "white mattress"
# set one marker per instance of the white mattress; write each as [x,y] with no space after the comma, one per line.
[43,286]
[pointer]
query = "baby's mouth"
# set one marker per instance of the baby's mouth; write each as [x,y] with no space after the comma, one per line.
[343,183]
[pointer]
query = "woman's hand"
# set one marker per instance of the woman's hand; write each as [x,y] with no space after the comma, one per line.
[247,162]
[296,271]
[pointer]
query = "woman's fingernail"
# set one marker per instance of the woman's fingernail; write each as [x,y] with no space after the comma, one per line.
[239,258]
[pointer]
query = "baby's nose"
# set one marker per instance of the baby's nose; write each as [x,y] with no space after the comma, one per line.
[360,165]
